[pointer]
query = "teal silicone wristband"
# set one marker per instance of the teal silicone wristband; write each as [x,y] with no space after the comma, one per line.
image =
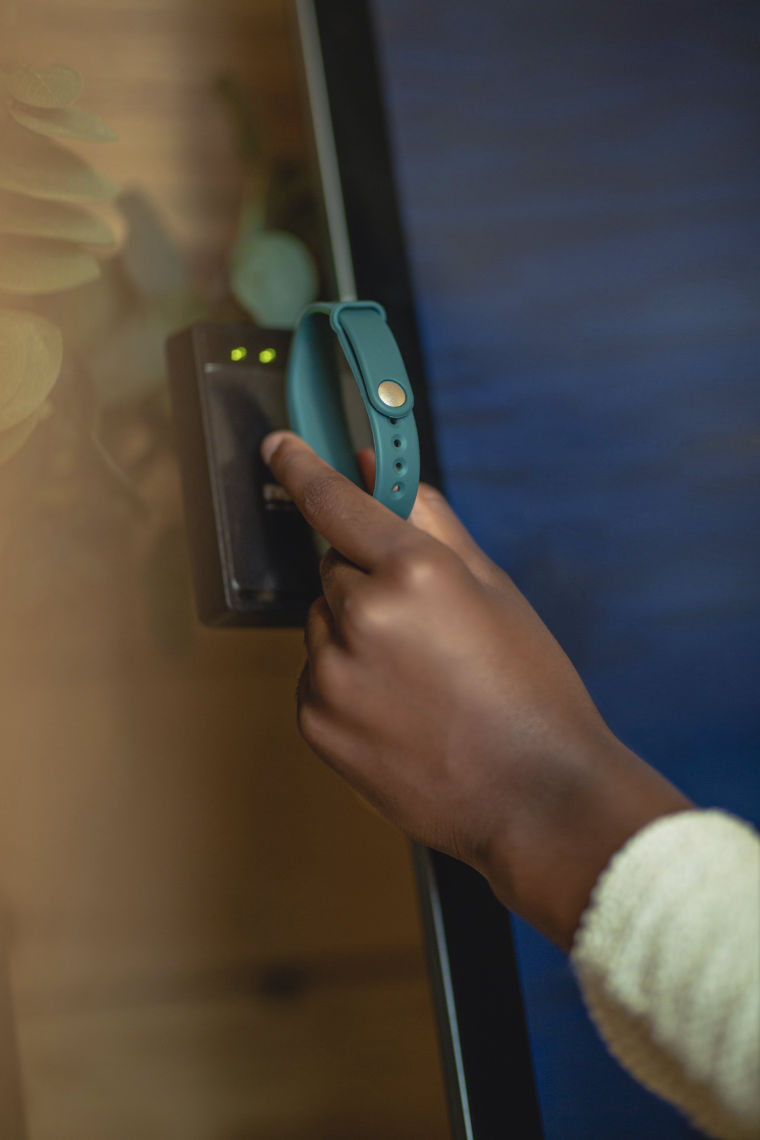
[315,407]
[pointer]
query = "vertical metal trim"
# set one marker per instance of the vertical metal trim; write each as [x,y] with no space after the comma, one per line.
[440,953]
[326,154]
[475,1101]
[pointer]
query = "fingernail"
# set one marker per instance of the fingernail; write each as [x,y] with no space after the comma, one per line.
[270,443]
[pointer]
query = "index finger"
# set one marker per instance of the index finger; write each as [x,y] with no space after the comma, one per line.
[358,526]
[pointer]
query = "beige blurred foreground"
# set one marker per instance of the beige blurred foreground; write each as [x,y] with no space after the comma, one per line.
[204,936]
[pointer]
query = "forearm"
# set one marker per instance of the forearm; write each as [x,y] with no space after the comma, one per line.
[545,865]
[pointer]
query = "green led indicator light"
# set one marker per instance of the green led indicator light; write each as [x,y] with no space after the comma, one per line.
[238,353]
[267,355]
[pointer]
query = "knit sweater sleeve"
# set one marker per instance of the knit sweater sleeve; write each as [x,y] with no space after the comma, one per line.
[668,960]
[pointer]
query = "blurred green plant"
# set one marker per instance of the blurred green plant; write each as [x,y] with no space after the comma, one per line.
[50,240]
[273,273]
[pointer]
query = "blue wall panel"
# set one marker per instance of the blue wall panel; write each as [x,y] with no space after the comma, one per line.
[579,184]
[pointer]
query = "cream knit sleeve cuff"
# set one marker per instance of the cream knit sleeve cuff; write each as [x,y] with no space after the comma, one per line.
[668,960]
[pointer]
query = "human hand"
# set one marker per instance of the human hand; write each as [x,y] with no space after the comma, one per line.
[433,687]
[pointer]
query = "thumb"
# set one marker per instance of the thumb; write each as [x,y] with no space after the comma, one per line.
[432,513]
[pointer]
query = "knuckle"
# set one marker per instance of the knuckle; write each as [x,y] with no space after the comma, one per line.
[431,496]
[317,616]
[321,713]
[327,676]
[368,616]
[415,568]
[309,721]
[363,618]
[318,610]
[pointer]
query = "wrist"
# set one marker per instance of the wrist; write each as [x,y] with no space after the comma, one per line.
[545,865]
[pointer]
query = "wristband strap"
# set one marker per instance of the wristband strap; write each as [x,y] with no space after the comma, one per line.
[315,407]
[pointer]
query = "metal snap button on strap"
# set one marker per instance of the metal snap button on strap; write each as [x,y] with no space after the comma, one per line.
[391,393]
[314,385]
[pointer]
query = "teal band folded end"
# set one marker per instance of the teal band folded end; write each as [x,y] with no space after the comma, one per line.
[315,405]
